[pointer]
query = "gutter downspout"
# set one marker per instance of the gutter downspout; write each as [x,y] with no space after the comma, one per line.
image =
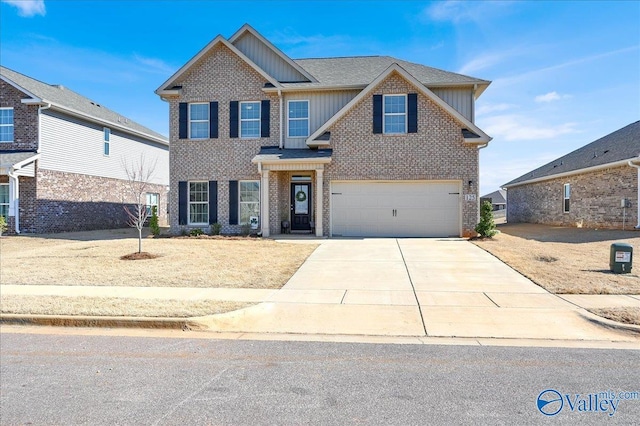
[638,201]
[15,197]
[281,145]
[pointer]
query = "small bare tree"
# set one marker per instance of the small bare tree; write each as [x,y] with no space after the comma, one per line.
[139,176]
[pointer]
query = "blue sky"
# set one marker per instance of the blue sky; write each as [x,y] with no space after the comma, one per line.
[564,73]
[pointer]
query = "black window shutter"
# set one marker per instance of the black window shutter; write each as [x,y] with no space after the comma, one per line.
[412,110]
[213,120]
[183,120]
[233,202]
[183,203]
[213,202]
[265,111]
[233,119]
[377,113]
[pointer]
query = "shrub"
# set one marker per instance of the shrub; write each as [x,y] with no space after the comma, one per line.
[245,230]
[215,229]
[195,232]
[486,227]
[153,221]
[3,225]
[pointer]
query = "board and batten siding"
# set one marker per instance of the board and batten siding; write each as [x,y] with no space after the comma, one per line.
[322,106]
[267,59]
[460,98]
[72,145]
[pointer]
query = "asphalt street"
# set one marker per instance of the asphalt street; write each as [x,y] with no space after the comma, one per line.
[108,380]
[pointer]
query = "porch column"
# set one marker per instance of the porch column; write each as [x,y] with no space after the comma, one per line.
[264,205]
[319,196]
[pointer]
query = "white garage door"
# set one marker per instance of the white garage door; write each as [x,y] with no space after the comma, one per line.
[395,209]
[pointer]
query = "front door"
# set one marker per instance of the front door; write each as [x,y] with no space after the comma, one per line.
[301,207]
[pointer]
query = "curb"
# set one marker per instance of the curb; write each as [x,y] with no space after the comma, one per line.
[95,321]
[604,322]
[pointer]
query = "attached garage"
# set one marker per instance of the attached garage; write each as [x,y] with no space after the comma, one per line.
[395,209]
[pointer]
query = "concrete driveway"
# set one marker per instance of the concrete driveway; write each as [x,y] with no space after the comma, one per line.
[413,287]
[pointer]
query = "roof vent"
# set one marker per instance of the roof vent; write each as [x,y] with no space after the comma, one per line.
[58,86]
[605,151]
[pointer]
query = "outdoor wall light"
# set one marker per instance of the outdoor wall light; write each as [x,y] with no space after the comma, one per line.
[470,182]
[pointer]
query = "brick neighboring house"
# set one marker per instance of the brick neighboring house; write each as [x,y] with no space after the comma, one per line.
[351,146]
[584,188]
[61,159]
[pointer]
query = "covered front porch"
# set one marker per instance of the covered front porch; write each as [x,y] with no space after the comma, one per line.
[15,165]
[292,190]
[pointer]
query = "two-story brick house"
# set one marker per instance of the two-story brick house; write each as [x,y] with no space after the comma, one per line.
[62,159]
[353,146]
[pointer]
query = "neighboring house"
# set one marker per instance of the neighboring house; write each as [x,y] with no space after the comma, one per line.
[62,155]
[353,146]
[584,188]
[498,199]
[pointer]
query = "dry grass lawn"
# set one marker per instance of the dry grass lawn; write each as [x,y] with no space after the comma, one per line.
[93,258]
[569,261]
[114,306]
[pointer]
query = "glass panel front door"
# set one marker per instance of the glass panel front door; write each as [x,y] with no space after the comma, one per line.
[300,206]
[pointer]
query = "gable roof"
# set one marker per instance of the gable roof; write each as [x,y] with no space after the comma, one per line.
[246,28]
[477,136]
[167,88]
[362,70]
[497,197]
[618,147]
[73,103]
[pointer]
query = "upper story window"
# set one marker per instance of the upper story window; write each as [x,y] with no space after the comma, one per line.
[106,148]
[249,119]
[566,195]
[298,119]
[6,124]
[198,121]
[395,114]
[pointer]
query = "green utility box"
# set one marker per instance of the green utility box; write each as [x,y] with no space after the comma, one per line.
[620,258]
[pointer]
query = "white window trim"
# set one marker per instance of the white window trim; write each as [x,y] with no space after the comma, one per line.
[385,114]
[189,203]
[106,141]
[8,203]
[565,198]
[240,202]
[240,119]
[149,206]
[289,119]
[189,120]
[13,124]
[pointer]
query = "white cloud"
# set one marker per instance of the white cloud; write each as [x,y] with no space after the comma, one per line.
[154,65]
[512,127]
[550,97]
[463,11]
[489,108]
[28,8]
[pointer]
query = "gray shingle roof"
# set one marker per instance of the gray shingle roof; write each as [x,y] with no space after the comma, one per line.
[67,99]
[497,197]
[273,152]
[623,144]
[362,70]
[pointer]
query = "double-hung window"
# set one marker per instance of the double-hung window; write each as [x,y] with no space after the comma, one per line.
[249,119]
[198,203]
[152,201]
[395,114]
[249,201]
[106,145]
[566,196]
[6,124]
[298,119]
[199,120]
[4,200]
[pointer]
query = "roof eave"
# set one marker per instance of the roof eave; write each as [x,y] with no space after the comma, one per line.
[277,160]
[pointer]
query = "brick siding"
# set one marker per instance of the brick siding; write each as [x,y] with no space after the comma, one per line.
[594,203]
[25,119]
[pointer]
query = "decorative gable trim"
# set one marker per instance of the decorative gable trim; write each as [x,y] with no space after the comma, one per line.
[246,28]
[166,88]
[483,139]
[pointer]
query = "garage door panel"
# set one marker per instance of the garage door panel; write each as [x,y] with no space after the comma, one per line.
[395,209]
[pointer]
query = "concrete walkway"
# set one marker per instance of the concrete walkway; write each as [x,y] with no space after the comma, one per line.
[393,287]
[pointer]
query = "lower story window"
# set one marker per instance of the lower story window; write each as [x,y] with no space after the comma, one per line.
[198,203]
[4,199]
[249,201]
[566,197]
[152,201]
